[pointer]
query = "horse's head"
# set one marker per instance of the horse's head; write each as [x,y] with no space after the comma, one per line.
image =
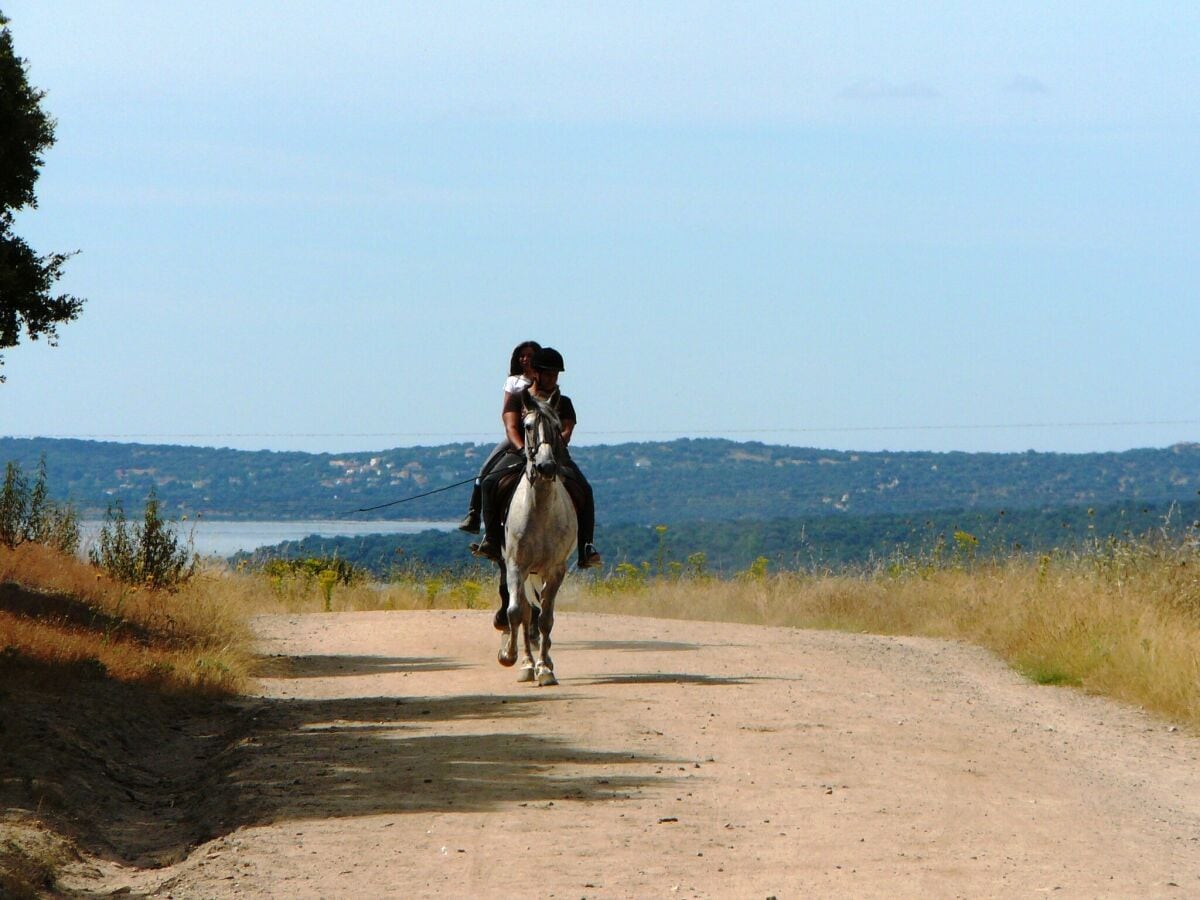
[543,439]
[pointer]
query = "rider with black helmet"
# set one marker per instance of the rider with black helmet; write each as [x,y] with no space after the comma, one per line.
[547,363]
[520,376]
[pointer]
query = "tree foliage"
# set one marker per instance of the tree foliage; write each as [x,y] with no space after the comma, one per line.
[27,306]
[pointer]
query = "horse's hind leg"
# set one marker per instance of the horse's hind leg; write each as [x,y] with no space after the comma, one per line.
[500,619]
[535,614]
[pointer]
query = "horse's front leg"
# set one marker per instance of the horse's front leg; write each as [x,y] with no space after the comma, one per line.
[515,595]
[545,665]
[500,619]
[519,615]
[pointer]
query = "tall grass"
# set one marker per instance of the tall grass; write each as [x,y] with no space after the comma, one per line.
[60,617]
[330,585]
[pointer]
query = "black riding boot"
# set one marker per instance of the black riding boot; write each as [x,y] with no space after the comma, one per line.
[470,522]
[585,513]
[490,546]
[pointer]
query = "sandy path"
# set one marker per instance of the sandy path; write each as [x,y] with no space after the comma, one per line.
[392,757]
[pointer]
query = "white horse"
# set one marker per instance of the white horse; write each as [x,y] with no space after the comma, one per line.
[539,537]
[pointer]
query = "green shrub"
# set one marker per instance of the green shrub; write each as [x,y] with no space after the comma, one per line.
[28,514]
[325,571]
[310,567]
[469,593]
[624,578]
[151,553]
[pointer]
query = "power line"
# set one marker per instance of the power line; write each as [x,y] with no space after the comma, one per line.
[681,432]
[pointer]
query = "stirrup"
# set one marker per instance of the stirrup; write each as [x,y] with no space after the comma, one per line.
[589,557]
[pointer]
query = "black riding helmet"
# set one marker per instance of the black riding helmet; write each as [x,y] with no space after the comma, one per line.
[548,359]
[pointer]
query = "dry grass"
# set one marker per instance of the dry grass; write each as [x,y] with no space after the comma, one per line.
[59,618]
[252,593]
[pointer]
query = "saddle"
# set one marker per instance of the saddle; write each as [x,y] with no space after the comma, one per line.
[506,487]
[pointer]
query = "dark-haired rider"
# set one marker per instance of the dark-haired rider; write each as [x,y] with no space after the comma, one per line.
[547,363]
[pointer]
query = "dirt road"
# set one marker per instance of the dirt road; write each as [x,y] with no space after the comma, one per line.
[390,756]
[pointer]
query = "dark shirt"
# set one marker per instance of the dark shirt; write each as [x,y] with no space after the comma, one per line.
[560,403]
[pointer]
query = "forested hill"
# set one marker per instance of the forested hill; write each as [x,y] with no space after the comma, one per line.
[824,542]
[643,483]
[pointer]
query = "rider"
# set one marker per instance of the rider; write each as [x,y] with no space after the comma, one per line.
[520,376]
[547,363]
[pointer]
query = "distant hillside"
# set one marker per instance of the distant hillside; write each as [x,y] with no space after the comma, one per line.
[788,544]
[640,483]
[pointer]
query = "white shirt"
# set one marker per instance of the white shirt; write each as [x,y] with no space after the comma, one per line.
[514,384]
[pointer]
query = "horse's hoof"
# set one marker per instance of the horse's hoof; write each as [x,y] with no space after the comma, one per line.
[545,677]
[505,660]
[526,674]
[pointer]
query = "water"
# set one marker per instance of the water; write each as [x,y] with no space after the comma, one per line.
[226,538]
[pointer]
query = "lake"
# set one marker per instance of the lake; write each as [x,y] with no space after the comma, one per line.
[226,538]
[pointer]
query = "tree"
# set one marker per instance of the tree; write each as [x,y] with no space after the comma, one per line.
[26,279]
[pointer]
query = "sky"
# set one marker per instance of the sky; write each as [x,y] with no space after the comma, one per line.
[848,225]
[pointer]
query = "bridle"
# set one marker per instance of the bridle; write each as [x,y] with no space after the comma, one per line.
[542,428]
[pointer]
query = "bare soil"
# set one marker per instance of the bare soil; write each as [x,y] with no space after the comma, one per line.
[388,755]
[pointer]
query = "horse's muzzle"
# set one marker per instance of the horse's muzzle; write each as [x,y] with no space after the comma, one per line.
[547,469]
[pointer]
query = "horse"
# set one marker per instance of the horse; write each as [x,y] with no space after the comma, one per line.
[539,536]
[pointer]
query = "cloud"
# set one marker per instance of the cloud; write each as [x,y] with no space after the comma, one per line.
[1024,84]
[874,89]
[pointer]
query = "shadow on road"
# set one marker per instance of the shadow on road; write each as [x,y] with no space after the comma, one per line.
[669,678]
[370,756]
[332,666]
[132,776]
[629,645]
